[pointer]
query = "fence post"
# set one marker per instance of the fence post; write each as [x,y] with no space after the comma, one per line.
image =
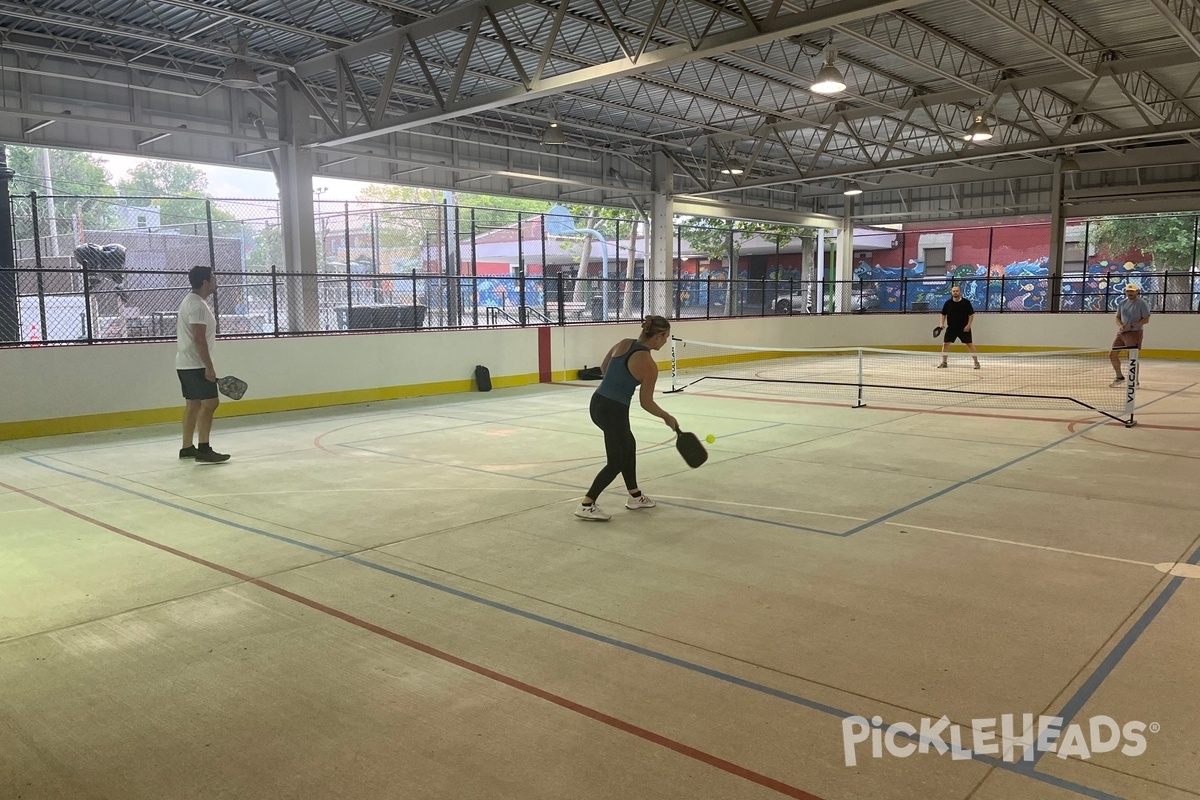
[561,288]
[37,261]
[521,295]
[275,297]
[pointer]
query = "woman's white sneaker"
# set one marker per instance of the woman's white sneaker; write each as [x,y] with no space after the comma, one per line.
[641,501]
[591,512]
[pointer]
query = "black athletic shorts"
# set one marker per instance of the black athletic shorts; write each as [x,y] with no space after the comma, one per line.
[952,334]
[195,385]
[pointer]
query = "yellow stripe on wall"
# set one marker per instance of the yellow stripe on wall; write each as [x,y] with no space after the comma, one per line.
[27,429]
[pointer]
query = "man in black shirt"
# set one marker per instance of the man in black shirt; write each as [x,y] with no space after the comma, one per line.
[957,316]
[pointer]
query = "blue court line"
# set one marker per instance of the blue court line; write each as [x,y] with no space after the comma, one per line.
[994,470]
[1110,662]
[1016,768]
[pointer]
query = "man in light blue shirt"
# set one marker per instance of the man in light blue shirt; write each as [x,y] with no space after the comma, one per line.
[1133,312]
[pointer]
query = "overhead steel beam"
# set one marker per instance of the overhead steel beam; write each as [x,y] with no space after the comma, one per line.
[715,44]
[1181,15]
[1056,34]
[459,15]
[1170,130]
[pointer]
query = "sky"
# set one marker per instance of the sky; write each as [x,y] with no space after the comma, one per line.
[229,182]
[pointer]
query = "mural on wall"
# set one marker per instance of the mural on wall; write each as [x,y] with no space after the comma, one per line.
[1103,283]
[1020,286]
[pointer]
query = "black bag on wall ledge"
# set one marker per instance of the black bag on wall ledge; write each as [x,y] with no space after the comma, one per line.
[483,378]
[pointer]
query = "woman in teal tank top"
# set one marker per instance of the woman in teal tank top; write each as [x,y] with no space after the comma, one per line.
[628,365]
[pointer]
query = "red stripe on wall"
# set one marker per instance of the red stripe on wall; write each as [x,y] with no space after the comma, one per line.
[544,355]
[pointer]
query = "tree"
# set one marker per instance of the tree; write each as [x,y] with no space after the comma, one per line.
[162,184]
[713,238]
[1168,240]
[164,178]
[73,174]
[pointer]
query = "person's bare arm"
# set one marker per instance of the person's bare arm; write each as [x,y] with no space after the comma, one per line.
[200,337]
[642,366]
[970,322]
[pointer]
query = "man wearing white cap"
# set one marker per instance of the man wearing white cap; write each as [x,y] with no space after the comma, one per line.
[1133,312]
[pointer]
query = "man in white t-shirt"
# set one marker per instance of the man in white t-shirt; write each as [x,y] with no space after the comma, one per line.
[196,331]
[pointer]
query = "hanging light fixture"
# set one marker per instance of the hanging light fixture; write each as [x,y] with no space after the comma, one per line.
[852,189]
[1069,164]
[979,130]
[553,135]
[733,167]
[829,78]
[239,74]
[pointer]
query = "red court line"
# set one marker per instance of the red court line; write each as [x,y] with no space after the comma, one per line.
[599,716]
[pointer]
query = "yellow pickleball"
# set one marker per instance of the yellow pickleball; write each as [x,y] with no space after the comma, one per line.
[710,438]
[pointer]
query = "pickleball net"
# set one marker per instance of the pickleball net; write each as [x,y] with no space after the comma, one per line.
[859,376]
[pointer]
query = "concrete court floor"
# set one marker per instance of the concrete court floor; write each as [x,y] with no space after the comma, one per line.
[394,601]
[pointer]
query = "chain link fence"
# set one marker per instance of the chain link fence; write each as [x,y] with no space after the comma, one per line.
[96,269]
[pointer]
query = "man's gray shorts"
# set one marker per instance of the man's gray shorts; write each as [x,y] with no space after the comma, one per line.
[195,385]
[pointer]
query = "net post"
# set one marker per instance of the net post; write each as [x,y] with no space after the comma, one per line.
[674,368]
[1131,382]
[859,400]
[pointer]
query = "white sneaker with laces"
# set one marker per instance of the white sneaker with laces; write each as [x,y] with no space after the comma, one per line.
[591,513]
[1118,382]
[641,501]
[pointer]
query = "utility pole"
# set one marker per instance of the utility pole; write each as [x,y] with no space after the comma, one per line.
[50,202]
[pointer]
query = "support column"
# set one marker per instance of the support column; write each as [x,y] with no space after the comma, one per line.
[297,214]
[10,328]
[1058,236]
[662,231]
[845,257]
[819,300]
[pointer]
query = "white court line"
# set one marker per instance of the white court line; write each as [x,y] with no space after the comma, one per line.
[1022,544]
[760,506]
[575,493]
[992,539]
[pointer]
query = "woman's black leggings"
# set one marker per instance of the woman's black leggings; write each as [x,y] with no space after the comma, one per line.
[613,418]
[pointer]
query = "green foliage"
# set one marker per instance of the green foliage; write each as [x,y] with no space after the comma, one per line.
[492,211]
[488,212]
[710,235]
[168,183]
[74,173]
[1167,239]
[164,178]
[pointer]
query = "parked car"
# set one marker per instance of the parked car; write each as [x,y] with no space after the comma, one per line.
[799,303]
[864,300]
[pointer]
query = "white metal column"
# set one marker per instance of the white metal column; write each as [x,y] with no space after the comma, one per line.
[297,214]
[845,257]
[662,230]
